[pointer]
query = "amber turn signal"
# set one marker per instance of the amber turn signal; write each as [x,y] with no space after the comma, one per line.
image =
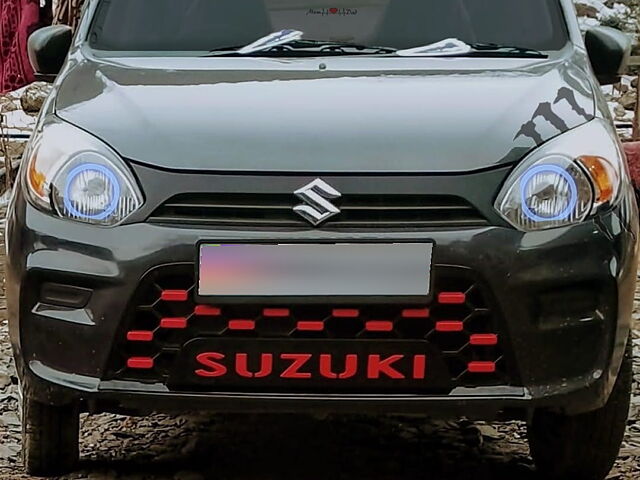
[604,177]
[37,180]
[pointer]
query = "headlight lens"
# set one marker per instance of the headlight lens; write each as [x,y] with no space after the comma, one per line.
[549,193]
[76,176]
[565,180]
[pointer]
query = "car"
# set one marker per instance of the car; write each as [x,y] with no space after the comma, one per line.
[388,207]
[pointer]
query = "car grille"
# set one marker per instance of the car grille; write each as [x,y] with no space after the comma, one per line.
[164,317]
[357,211]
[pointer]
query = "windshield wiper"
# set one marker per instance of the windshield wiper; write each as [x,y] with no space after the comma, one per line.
[275,39]
[289,42]
[510,50]
[452,47]
[331,47]
[272,40]
[444,48]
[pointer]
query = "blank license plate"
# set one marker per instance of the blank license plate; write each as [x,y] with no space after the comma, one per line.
[306,270]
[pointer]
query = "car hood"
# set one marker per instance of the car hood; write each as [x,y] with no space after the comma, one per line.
[415,115]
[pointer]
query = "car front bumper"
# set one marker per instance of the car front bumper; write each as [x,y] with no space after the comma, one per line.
[563,298]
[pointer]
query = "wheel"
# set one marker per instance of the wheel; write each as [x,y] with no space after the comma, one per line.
[49,438]
[583,447]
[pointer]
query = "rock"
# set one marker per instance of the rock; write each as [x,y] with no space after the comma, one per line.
[634,82]
[8,396]
[34,96]
[628,100]
[490,432]
[5,381]
[619,111]
[8,104]
[9,419]
[621,87]
[585,10]
[9,450]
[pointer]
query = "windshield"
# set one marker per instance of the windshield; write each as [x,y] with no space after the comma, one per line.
[207,25]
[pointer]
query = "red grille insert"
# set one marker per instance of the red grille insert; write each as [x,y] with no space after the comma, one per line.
[415,313]
[487,339]
[242,325]
[451,326]
[171,323]
[207,311]
[174,295]
[310,326]
[346,312]
[140,336]
[482,367]
[452,298]
[379,326]
[276,312]
[140,363]
[164,316]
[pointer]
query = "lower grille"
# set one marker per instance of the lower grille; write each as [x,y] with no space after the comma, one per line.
[357,211]
[164,317]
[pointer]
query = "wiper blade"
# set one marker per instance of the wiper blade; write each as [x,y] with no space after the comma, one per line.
[340,47]
[452,47]
[309,47]
[444,48]
[275,39]
[272,40]
[516,50]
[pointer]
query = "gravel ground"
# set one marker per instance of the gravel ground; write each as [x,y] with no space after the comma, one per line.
[196,447]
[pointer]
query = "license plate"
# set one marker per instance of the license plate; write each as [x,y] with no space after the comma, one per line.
[312,270]
[364,366]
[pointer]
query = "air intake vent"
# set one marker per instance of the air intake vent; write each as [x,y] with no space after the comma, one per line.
[357,211]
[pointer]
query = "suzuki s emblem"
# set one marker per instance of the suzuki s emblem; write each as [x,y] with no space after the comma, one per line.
[316,207]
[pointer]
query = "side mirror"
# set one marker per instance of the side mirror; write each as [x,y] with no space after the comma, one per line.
[609,51]
[48,48]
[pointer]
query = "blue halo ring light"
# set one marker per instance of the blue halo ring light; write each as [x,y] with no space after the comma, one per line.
[530,174]
[115,190]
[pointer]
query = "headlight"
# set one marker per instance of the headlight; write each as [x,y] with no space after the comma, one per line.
[565,180]
[76,176]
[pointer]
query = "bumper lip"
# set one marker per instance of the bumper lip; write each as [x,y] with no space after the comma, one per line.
[86,384]
[115,395]
[481,403]
[478,404]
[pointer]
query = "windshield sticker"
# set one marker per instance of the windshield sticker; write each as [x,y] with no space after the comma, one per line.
[326,12]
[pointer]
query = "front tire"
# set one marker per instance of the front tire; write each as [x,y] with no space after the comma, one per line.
[583,447]
[49,438]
